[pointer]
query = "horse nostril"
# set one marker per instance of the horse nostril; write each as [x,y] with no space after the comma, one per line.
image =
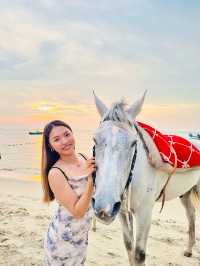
[101,213]
[93,202]
[116,208]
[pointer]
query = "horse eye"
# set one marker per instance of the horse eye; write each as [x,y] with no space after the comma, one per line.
[133,143]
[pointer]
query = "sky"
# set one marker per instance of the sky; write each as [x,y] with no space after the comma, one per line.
[53,53]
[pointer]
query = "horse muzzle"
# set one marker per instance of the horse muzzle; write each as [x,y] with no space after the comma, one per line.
[106,213]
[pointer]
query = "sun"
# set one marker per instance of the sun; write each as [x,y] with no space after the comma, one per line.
[45,106]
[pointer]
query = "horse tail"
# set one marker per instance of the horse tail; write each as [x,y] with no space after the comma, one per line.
[195,196]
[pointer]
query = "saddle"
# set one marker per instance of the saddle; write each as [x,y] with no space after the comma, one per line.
[174,151]
[168,153]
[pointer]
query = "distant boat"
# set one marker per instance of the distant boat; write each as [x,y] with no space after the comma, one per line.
[35,132]
[194,136]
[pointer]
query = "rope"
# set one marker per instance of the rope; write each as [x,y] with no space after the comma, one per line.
[162,193]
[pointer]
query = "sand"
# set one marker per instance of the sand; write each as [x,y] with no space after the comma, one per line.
[24,220]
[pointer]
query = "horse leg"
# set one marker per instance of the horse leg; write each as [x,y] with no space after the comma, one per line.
[126,220]
[190,212]
[143,224]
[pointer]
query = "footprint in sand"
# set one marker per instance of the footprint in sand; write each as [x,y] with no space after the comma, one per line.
[3,240]
[106,236]
[18,211]
[113,255]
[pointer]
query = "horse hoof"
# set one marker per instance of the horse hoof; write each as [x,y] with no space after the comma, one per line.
[139,255]
[187,254]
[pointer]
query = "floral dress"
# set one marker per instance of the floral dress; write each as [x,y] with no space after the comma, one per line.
[66,240]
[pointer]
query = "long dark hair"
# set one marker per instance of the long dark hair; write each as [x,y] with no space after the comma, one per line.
[49,157]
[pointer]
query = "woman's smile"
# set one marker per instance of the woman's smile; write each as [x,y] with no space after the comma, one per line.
[67,147]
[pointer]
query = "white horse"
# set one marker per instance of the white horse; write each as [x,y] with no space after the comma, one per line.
[130,172]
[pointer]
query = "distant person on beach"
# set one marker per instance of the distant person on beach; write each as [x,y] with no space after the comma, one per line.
[67,178]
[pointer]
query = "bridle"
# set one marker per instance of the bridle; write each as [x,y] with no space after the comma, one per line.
[94,173]
[162,193]
[130,173]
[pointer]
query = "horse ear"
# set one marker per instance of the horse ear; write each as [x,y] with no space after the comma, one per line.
[135,109]
[101,107]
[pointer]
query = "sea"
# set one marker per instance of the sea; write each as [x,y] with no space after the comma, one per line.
[21,152]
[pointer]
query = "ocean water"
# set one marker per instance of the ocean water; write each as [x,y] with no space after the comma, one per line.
[21,152]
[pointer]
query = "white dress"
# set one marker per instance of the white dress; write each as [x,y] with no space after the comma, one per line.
[66,240]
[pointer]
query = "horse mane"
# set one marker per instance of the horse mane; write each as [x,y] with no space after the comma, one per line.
[117,112]
[152,152]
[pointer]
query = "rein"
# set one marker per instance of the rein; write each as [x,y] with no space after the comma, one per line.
[162,193]
[94,173]
[131,170]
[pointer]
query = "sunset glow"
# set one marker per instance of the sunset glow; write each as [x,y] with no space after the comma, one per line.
[46,106]
[49,73]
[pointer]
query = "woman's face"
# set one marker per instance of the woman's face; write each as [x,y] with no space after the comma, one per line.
[61,139]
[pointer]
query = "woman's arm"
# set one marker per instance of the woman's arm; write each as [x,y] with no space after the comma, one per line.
[65,194]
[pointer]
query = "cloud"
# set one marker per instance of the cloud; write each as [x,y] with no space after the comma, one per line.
[59,107]
[22,35]
[58,51]
[59,42]
[34,50]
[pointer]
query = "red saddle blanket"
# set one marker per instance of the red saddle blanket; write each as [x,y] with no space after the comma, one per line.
[188,155]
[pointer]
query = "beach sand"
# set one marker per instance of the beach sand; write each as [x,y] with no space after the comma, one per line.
[24,220]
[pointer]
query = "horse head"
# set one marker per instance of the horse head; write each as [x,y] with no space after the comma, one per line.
[115,153]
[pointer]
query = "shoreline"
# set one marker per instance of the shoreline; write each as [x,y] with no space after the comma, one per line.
[17,176]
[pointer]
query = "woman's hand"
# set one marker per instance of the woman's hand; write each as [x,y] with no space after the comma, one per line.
[90,166]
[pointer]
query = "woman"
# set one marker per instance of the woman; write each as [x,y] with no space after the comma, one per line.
[67,178]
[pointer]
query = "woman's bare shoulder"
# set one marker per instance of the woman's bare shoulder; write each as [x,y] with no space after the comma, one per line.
[55,172]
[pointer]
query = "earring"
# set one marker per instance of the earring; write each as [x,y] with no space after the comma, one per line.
[51,149]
